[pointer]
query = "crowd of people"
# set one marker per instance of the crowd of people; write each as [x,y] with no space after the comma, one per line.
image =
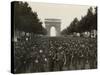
[43,54]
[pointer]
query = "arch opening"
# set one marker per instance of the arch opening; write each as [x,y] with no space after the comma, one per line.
[52,32]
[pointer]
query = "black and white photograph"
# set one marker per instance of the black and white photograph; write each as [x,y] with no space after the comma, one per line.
[50,37]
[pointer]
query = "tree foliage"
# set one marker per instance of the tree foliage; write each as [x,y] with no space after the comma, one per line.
[25,19]
[87,23]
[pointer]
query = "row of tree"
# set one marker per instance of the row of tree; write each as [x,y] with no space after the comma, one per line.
[87,23]
[25,19]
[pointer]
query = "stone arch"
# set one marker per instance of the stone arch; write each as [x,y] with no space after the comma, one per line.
[53,23]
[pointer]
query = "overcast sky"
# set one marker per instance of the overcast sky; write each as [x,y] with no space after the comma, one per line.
[64,12]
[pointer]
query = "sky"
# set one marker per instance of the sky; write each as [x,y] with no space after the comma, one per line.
[65,12]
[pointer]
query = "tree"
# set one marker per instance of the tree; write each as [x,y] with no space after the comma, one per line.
[72,28]
[89,19]
[87,23]
[25,19]
[94,25]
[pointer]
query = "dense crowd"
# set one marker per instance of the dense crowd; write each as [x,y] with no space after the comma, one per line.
[43,54]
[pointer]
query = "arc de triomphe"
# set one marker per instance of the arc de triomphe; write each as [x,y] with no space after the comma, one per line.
[53,23]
